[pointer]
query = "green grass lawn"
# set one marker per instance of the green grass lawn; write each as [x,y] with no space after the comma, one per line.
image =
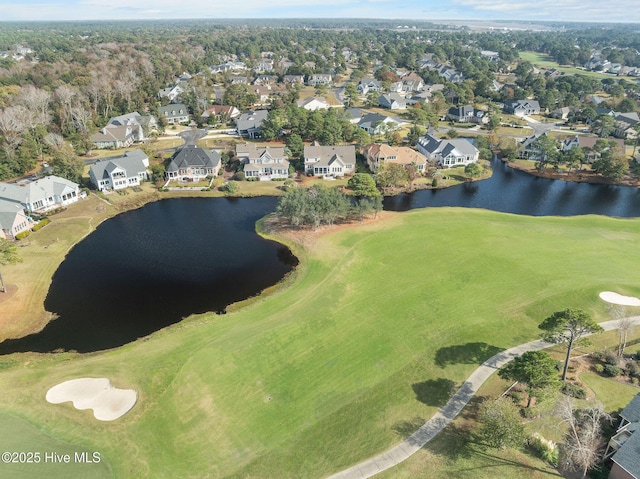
[541,60]
[613,394]
[375,328]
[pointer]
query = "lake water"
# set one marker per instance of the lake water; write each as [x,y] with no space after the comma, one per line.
[149,268]
[513,191]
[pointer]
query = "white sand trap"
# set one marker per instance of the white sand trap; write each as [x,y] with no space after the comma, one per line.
[108,403]
[616,298]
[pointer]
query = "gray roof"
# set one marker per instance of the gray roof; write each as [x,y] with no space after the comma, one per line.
[329,154]
[632,411]
[252,151]
[112,133]
[194,156]
[132,162]
[8,212]
[354,113]
[251,119]
[628,456]
[173,110]
[42,188]
[445,147]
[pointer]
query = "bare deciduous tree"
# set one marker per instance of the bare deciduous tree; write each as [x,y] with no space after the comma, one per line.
[37,101]
[625,324]
[583,443]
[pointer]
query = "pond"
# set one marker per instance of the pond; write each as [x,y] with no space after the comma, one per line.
[149,268]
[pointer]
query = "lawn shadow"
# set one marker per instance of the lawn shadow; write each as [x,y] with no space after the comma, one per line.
[404,429]
[470,353]
[434,392]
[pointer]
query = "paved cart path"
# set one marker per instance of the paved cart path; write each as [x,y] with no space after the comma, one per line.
[447,413]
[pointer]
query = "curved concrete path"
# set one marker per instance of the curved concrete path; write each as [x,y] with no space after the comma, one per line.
[447,413]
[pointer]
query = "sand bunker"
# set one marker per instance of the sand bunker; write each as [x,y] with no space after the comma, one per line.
[108,403]
[616,298]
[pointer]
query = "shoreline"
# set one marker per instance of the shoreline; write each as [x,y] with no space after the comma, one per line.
[580,176]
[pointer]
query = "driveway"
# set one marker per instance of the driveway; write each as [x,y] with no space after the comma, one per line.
[190,137]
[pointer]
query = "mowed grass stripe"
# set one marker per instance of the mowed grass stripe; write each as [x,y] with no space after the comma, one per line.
[381,322]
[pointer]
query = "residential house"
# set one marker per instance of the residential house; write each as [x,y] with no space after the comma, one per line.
[191,163]
[588,143]
[329,161]
[313,103]
[13,220]
[239,80]
[562,113]
[172,93]
[522,107]
[354,115]
[377,154]
[265,80]
[147,123]
[624,447]
[392,101]
[467,114]
[127,170]
[123,130]
[368,84]
[320,79]
[376,124]
[115,136]
[230,66]
[264,65]
[221,112]
[262,93]
[294,79]
[263,162]
[529,150]
[625,126]
[448,153]
[42,194]
[175,113]
[284,63]
[408,84]
[249,123]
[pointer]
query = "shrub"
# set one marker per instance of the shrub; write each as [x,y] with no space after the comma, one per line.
[610,358]
[574,391]
[612,371]
[632,369]
[23,235]
[434,183]
[239,176]
[599,368]
[546,449]
[529,412]
[41,224]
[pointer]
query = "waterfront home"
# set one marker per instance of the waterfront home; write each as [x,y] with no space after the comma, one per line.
[127,170]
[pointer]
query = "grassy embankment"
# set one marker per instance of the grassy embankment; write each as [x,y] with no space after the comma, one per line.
[377,326]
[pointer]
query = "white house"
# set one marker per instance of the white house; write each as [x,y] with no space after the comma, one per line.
[263,162]
[448,153]
[329,161]
[313,103]
[392,101]
[118,173]
[41,195]
[13,219]
[376,124]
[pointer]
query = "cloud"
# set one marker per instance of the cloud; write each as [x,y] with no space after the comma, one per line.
[429,10]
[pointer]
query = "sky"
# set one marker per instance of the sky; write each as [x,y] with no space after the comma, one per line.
[621,11]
